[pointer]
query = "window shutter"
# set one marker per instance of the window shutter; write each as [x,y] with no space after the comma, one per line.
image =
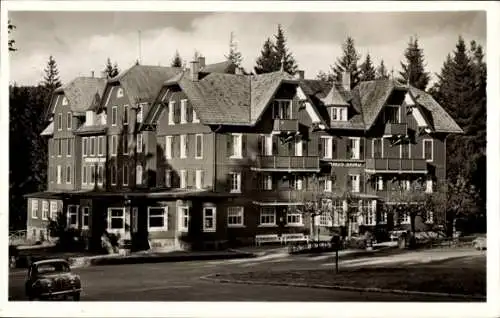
[361,148]
[229,139]
[193,172]
[291,148]
[228,183]
[305,150]
[334,148]
[243,145]
[275,145]
[177,113]
[348,148]
[320,147]
[260,145]
[349,183]
[202,179]
[189,108]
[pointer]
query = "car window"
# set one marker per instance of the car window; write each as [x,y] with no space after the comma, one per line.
[52,268]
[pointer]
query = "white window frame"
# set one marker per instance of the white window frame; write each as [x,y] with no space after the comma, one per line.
[267,212]
[183,119]
[69,213]
[119,92]
[164,216]
[196,120]
[184,218]
[114,145]
[290,215]
[59,147]
[65,101]
[356,150]
[381,147]
[199,179]
[93,145]
[297,182]
[214,219]
[171,106]
[183,146]
[34,209]
[298,146]
[328,185]
[53,209]
[125,114]
[405,218]
[125,174]
[183,178]
[84,174]
[92,177]
[59,174]
[235,182]
[68,148]
[114,115]
[168,178]
[68,181]
[327,147]
[168,147]
[379,183]
[100,176]
[356,188]
[266,182]
[235,213]
[237,146]
[110,218]
[69,122]
[277,103]
[59,122]
[140,143]
[432,149]
[429,217]
[84,146]
[338,113]
[100,142]
[406,184]
[369,215]
[138,174]
[200,136]
[85,213]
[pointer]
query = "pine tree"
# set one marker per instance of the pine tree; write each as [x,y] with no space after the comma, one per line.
[414,69]
[111,70]
[348,63]
[283,55]
[382,72]
[367,71]
[267,61]
[177,60]
[234,55]
[11,28]
[326,77]
[51,79]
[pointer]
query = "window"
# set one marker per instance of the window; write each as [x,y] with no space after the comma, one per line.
[68,174]
[391,114]
[116,219]
[59,175]
[368,213]
[92,146]
[125,144]
[235,182]
[183,218]
[235,145]
[339,113]
[382,217]
[429,217]
[429,185]
[183,179]
[265,145]
[168,147]
[125,174]
[59,147]
[404,217]
[267,216]
[195,118]
[68,121]
[282,109]
[326,184]
[298,146]
[119,93]
[114,145]
[209,219]
[92,174]
[59,121]
[297,182]
[65,100]
[293,218]
[235,216]
[183,144]
[34,209]
[53,210]
[84,146]
[199,146]
[338,212]
[114,115]
[325,147]
[183,111]
[428,149]
[199,179]
[85,217]
[72,215]
[266,182]
[380,183]
[406,185]
[138,174]
[353,150]
[405,151]
[377,148]
[84,175]
[100,174]
[125,114]
[171,107]
[168,178]
[100,145]
[68,147]
[140,112]
[139,143]
[325,219]
[157,218]
[354,182]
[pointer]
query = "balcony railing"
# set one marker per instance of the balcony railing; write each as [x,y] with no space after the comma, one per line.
[396,129]
[287,163]
[396,165]
[286,125]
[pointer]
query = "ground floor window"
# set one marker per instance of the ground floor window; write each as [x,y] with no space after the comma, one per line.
[382,217]
[73,215]
[34,209]
[429,218]
[404,217]
[85,217]
[235,216]
[45,210]
[116,219]
[53,209]
[183,218]
[338,212]
[157,218]
[368,213]
[268,216]
[325,219]
[294,218]
[209,219]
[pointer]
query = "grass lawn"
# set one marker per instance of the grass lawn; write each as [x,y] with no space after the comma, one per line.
[457,276]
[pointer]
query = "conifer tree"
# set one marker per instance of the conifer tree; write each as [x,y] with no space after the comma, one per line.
[414,69]
[111,70]
[367,71]
[267,61]
[177,60]
[381,72]
[282,54]
[348,62]
[51,79]
[234,55]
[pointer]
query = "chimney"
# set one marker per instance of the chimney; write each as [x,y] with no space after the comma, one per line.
[92,74]
[201,60]
[346,81]
[194,70]
[300,74]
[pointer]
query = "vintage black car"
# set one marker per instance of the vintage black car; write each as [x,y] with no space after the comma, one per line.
[52,278]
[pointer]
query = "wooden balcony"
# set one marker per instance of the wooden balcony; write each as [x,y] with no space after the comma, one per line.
[286,125]
[290,195]
[286,163]
[396,165]
[393,129]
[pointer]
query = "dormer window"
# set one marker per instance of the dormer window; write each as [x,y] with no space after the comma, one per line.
[392,114]
[65,101]
[119,93]
[338,113]
[282,109]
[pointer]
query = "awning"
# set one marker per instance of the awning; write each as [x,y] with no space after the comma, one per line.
[49,130]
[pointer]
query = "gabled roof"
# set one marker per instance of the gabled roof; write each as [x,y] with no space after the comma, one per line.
[143,82]
[81,92]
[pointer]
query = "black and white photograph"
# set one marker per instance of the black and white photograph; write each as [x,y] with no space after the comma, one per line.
[291,157]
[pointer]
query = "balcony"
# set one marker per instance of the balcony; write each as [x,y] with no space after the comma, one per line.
[286,163]
[396,165]
[281,196]
[393,129]
[286,125]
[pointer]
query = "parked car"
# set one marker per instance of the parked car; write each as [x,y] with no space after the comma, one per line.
[479,243]
[52,278]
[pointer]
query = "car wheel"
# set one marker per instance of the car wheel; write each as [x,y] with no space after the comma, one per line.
[76,296]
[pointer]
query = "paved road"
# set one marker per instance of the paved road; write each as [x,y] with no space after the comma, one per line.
[181,282]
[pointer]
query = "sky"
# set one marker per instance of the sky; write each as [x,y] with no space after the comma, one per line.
[81,41]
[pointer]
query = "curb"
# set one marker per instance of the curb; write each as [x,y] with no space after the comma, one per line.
[210,277]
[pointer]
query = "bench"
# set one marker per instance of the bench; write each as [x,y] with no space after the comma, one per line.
[295,237]
[266,238]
